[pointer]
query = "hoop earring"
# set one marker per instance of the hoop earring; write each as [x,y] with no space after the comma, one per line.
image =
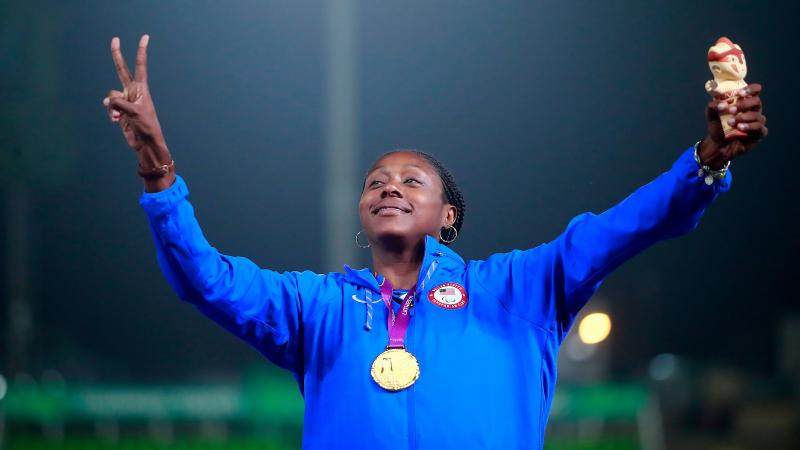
[454,233]
[359,244]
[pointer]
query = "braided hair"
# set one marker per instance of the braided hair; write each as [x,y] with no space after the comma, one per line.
[450,194]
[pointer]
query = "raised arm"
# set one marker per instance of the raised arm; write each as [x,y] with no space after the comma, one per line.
[261,306]
[550,283]
[592,246]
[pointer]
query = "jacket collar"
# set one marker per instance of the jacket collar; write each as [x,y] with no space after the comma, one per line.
[435,252]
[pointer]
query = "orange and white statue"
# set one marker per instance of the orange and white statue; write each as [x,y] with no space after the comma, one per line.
[726,61]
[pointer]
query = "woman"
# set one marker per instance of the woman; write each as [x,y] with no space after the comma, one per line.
[425,350]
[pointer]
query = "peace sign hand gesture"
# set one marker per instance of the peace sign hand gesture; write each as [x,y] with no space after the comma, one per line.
[133,109]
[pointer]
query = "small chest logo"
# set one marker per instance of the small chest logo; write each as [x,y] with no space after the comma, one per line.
[448,296]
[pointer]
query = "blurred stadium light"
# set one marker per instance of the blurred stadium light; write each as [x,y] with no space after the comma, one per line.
[594,328]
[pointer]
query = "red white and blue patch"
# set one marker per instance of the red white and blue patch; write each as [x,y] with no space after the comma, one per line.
[448,296]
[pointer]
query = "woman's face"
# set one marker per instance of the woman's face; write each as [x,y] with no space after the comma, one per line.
[403,198]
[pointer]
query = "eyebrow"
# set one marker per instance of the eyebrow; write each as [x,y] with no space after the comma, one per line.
[404,165]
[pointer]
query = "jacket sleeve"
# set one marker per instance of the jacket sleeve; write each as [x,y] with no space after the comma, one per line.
[261,306]
[550,283]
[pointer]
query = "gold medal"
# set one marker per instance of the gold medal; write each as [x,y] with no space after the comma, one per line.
[395,369]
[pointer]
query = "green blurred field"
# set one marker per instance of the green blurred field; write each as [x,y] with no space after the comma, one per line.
[34,443]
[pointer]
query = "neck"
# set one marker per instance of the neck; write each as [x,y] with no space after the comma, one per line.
[399,264]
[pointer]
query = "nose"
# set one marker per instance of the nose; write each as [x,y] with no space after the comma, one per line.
[391,189]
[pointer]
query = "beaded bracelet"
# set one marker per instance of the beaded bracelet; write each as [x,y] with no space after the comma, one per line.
[707,172]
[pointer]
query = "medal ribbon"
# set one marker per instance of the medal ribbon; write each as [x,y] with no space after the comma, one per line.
[397,322]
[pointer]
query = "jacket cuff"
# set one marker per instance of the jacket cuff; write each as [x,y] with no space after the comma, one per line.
[686,169]
[160,203]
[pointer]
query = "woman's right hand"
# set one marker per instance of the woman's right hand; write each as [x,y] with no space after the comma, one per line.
[134,110]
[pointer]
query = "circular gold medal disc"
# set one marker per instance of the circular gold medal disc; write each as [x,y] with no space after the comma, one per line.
[395,369]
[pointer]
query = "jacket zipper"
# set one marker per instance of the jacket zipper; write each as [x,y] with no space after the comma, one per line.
[411,405]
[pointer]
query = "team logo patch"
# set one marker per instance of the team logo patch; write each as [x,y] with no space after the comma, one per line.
[448,296]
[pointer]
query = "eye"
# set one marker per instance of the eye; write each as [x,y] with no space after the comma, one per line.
[374,183]
[413,180]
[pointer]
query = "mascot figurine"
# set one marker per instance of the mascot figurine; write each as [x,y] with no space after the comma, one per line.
[726,61]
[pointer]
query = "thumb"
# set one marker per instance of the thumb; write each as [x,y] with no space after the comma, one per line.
[113,114]
[123,105]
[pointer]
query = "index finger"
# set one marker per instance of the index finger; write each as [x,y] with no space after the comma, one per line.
[141,59]
[122,68]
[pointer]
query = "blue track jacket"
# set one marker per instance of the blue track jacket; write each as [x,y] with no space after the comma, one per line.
[488,369]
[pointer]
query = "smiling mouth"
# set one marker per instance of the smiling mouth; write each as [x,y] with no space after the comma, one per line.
[389,210]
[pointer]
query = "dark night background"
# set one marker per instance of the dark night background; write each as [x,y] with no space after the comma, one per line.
[541,110]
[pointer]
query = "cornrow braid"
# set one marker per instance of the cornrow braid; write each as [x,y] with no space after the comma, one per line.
[451,193]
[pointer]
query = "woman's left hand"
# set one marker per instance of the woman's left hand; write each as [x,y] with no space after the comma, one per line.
[715,150]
